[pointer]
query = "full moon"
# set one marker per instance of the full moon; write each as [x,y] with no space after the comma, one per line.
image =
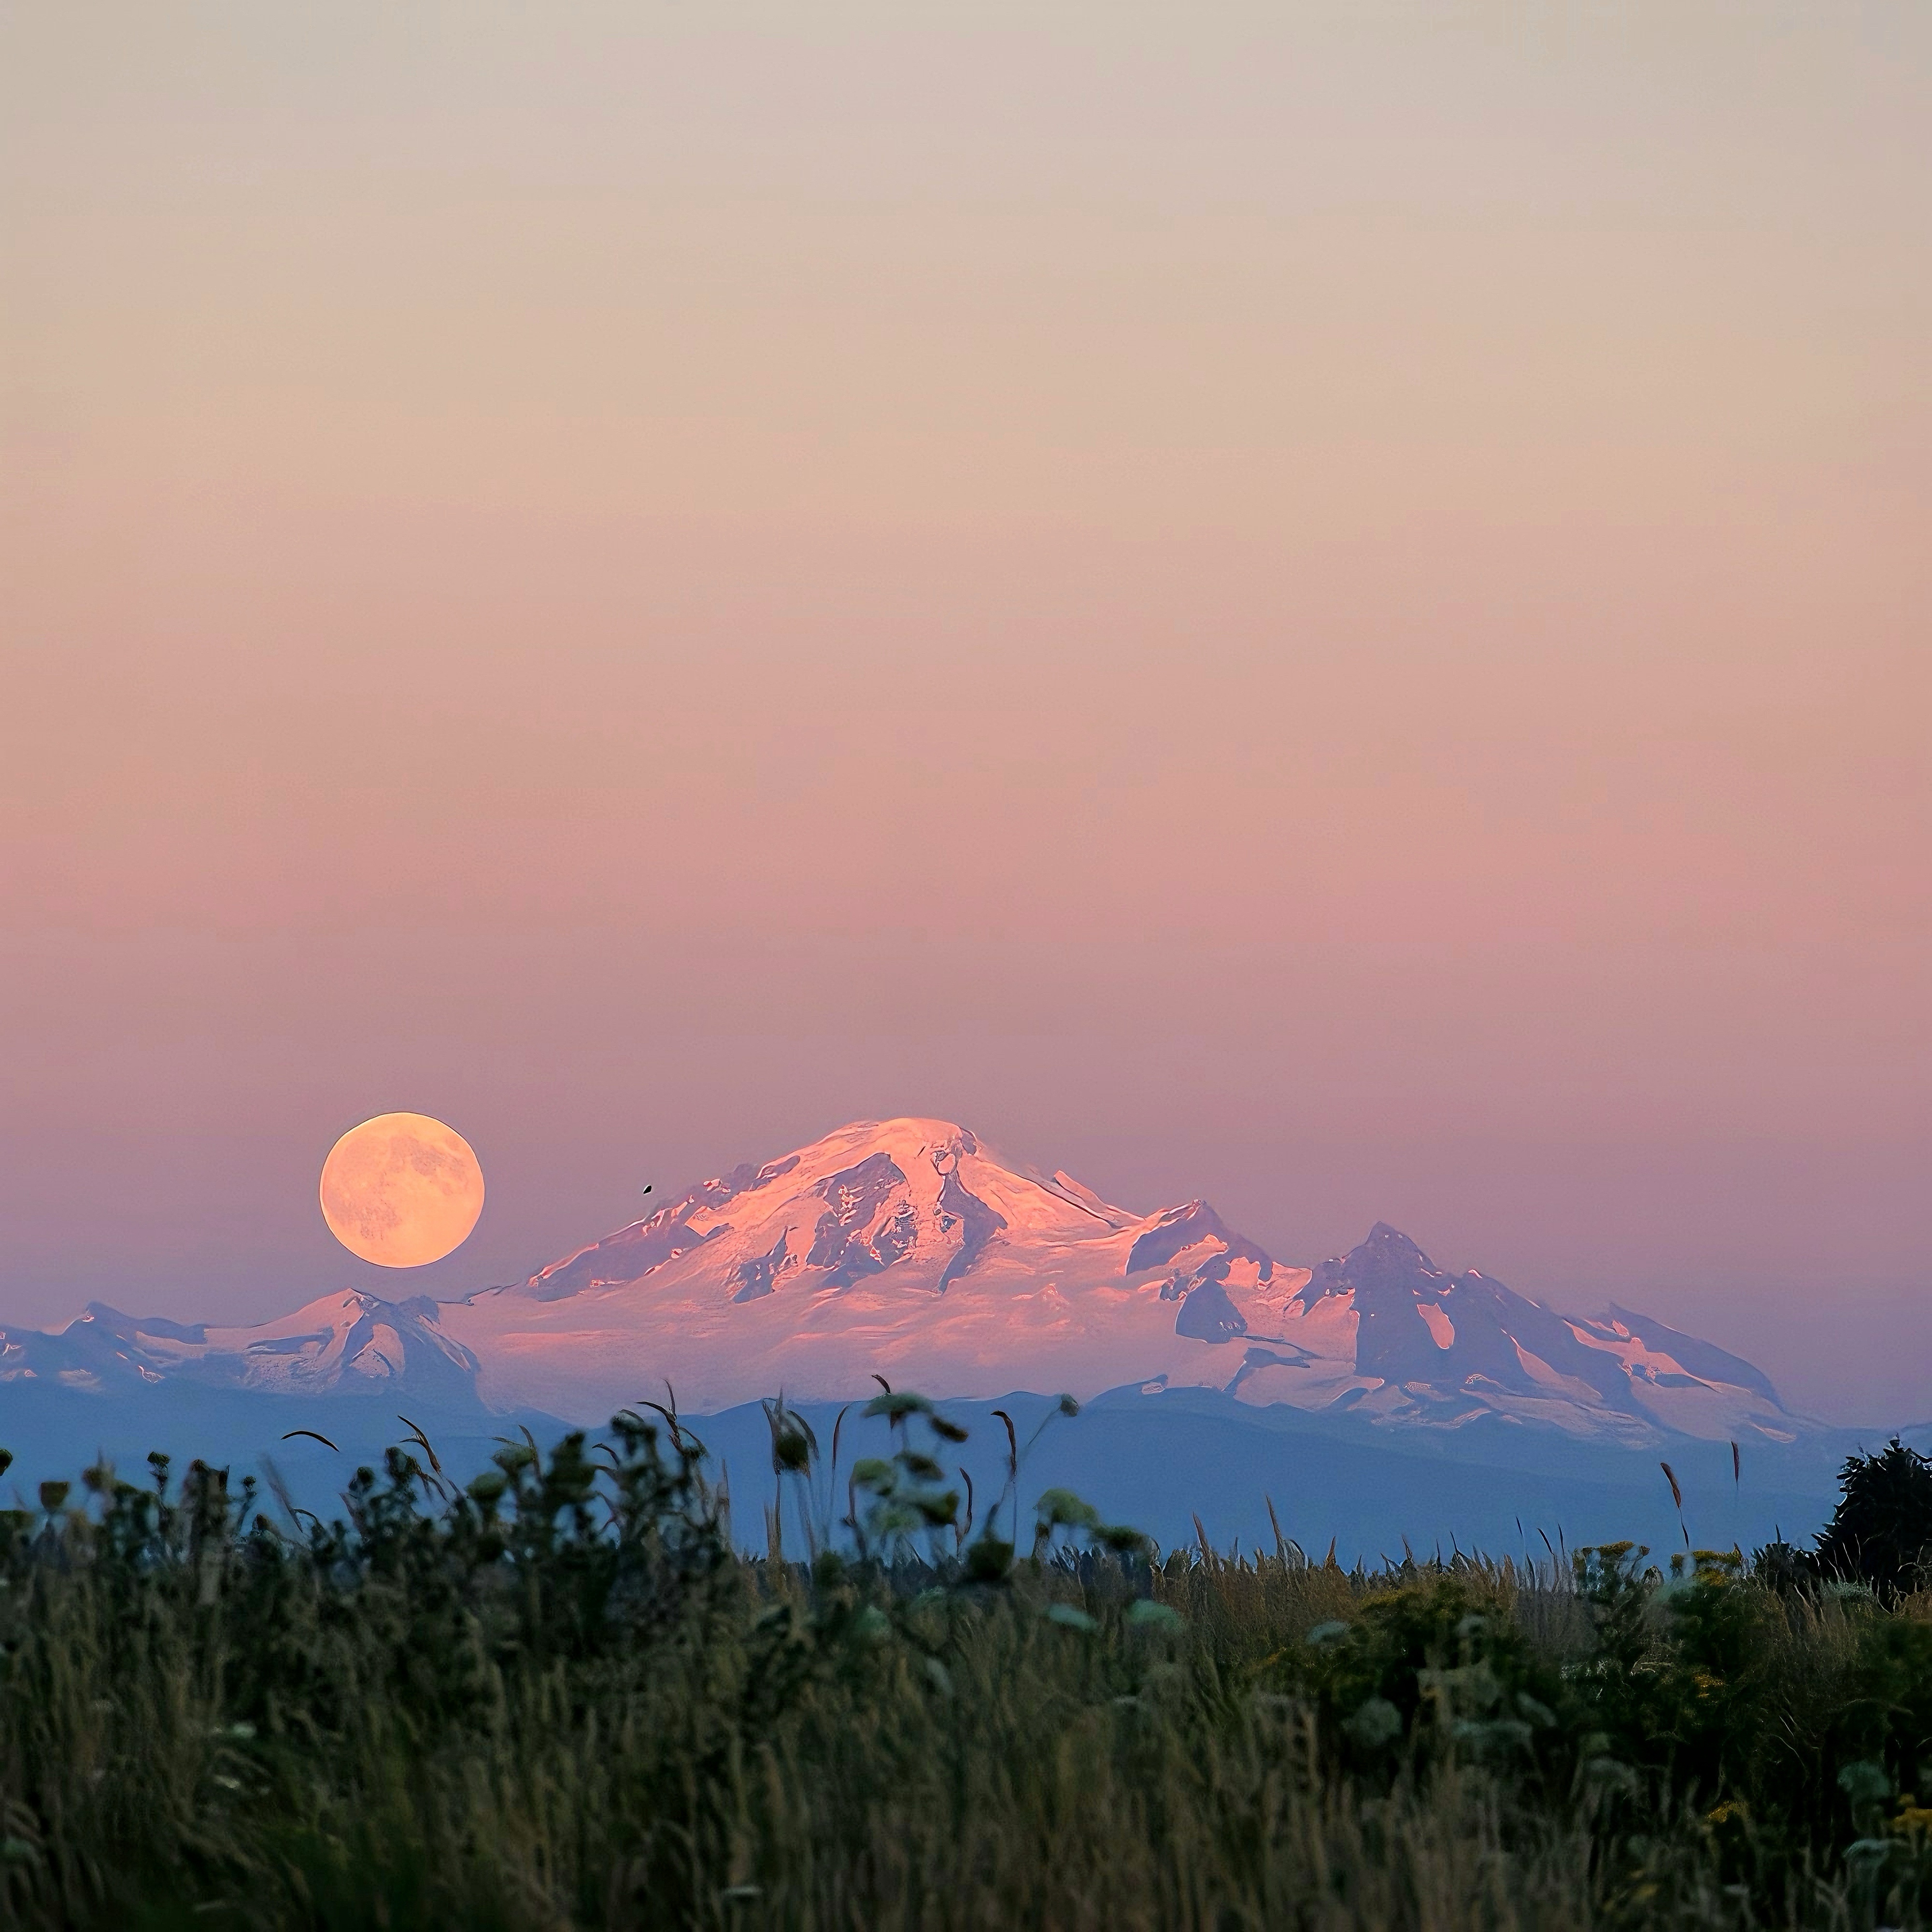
[401,1190]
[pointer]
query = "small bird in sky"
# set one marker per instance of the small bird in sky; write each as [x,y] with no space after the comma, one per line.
[647,1187]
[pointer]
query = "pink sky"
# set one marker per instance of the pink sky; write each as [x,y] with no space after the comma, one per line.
[1332,614]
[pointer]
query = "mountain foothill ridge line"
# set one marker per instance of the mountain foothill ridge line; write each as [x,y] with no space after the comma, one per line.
[909,1248]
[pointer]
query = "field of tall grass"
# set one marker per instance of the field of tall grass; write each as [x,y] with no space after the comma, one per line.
[558,1698]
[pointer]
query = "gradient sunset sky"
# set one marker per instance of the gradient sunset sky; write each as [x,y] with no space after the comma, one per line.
[1326,606]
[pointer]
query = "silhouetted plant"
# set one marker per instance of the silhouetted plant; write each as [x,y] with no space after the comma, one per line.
[1881,1533]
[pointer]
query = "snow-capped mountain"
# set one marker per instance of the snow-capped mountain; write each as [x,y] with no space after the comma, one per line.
[1384,1331]
[908,1248]
[901,1248]
[338,1344]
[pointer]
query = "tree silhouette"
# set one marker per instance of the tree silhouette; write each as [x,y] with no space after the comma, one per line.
[1881,1532]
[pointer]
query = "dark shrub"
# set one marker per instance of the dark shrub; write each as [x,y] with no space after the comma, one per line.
[1783,1567]
[1881,1533]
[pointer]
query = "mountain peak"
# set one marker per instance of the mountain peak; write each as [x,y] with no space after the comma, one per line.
[1385,1262]
[1386,1246]
[856,1202]
[903,1134]
[907,1247]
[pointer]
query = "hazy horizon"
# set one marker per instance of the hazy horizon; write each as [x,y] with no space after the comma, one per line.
[1326,614]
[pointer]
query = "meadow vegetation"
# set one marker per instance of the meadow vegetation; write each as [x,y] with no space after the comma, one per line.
[558,1698]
